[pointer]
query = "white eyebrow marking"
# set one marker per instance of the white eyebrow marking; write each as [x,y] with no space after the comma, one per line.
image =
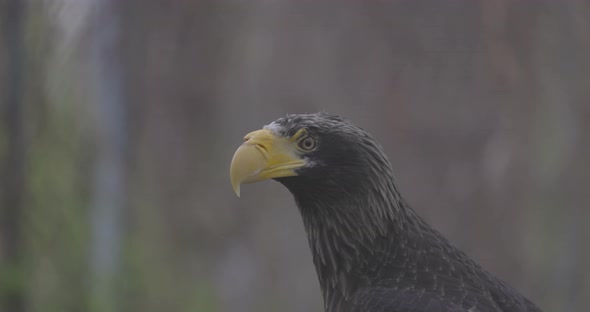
[273,127]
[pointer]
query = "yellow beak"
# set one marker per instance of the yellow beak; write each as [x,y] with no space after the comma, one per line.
[264,155]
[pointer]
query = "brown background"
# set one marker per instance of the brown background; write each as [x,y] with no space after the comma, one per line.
[120,118]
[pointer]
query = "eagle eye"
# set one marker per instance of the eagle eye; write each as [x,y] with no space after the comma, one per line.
[308,143]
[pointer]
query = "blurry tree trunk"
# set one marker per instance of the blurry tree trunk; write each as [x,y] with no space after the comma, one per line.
[109,172]
[12,159]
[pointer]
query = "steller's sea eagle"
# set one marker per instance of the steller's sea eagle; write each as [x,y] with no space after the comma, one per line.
[371,251]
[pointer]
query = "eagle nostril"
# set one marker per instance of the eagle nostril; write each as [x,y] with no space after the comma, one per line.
[262,150]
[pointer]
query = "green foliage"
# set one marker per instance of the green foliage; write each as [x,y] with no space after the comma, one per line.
[57,177]
[56,218]
[12,281]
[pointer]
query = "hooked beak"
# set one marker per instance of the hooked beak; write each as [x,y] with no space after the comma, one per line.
[264,155]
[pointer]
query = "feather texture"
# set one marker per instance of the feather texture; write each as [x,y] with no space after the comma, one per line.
[371,251]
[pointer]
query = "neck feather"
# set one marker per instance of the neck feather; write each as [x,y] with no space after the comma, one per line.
[348,231]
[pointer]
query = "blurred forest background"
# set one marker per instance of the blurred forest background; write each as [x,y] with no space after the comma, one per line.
[119,119]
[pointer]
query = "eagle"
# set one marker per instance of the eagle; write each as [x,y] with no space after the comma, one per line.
[371,251]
